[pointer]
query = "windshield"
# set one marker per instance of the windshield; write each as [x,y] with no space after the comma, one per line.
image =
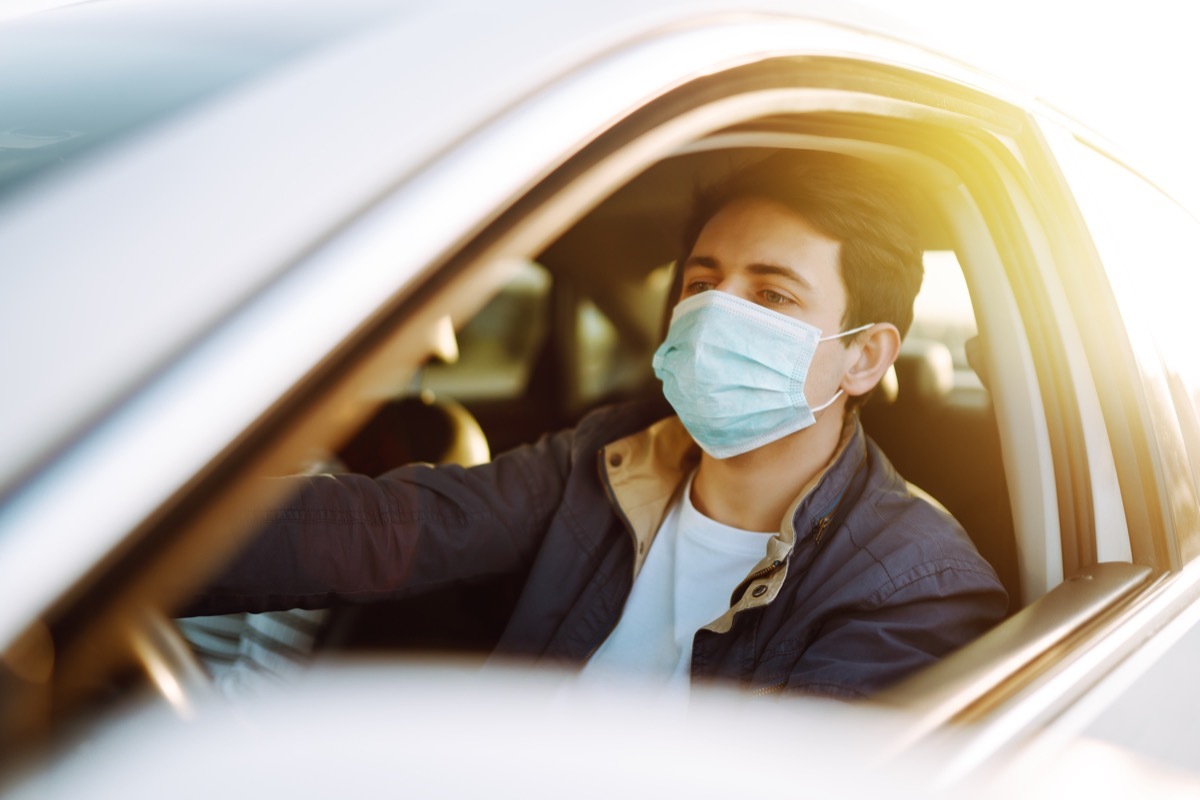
[77,77]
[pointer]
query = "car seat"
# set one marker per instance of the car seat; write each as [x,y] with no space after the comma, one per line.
[424,427]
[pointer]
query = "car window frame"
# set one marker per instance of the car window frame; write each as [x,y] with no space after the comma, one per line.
[202,516]
[1155,471]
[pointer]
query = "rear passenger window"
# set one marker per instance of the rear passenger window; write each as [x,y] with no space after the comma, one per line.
[943,313]
[498,347]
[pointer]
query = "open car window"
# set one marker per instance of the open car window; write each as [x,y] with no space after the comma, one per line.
[554,272]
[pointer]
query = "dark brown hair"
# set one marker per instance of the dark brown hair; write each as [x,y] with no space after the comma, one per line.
[850,200]
[855,202]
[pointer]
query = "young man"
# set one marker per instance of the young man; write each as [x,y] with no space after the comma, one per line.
[757,536]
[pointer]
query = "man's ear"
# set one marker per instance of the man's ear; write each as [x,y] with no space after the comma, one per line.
[878,347]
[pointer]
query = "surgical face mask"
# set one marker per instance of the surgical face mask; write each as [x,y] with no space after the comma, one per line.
[734,372]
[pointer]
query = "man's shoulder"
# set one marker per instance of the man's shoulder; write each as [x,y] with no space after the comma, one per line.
[910,534]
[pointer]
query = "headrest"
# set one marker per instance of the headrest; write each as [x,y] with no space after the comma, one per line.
[924,371]
[426,427]
[888,388]
[975,359]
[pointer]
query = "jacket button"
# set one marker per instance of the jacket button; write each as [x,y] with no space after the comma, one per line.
[759,590]
[615,460]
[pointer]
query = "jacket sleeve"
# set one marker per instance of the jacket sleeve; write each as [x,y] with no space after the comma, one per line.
[351,538]
[924,615]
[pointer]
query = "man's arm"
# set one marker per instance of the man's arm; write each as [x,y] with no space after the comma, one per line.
[350,538]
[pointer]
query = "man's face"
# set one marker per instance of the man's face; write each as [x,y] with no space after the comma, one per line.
[763,252]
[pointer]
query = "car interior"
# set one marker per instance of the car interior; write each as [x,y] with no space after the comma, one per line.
[575,329]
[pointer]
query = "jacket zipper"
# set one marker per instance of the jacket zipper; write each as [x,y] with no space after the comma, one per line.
[852,492]
[822,522]
[751,578]
[819,528]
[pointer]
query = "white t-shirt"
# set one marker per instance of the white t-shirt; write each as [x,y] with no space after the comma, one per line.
[692,568]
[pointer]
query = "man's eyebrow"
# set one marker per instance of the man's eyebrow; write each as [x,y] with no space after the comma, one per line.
[756,268]
[781,271]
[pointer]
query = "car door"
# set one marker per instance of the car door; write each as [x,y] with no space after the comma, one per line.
[346,318]
[1079,656]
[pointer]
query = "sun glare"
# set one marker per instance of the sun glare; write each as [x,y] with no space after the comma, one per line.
[1147,243]
[1124,70]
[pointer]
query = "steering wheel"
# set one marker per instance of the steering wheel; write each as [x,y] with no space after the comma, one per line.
[169,662]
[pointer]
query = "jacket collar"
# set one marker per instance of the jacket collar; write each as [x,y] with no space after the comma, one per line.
[644,472]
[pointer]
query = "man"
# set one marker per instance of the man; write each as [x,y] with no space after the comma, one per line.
[757,537]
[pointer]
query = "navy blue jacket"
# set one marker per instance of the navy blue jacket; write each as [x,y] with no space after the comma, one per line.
[864,584]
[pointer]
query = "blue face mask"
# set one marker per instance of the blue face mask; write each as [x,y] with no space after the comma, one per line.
[734,372]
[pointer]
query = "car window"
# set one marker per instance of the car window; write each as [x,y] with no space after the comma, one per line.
[612,361]
[497,348]
[943,313]
[500,347]
[1148,245]
[598,347]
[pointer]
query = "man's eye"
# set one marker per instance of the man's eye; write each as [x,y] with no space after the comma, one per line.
[774,298]
[695,287]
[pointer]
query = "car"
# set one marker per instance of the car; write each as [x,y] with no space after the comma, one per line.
[237,236]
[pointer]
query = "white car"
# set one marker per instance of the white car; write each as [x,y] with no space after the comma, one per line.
[235,235]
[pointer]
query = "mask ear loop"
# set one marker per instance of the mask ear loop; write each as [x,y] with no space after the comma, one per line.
[828,402]
[839,392]
[850,332]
